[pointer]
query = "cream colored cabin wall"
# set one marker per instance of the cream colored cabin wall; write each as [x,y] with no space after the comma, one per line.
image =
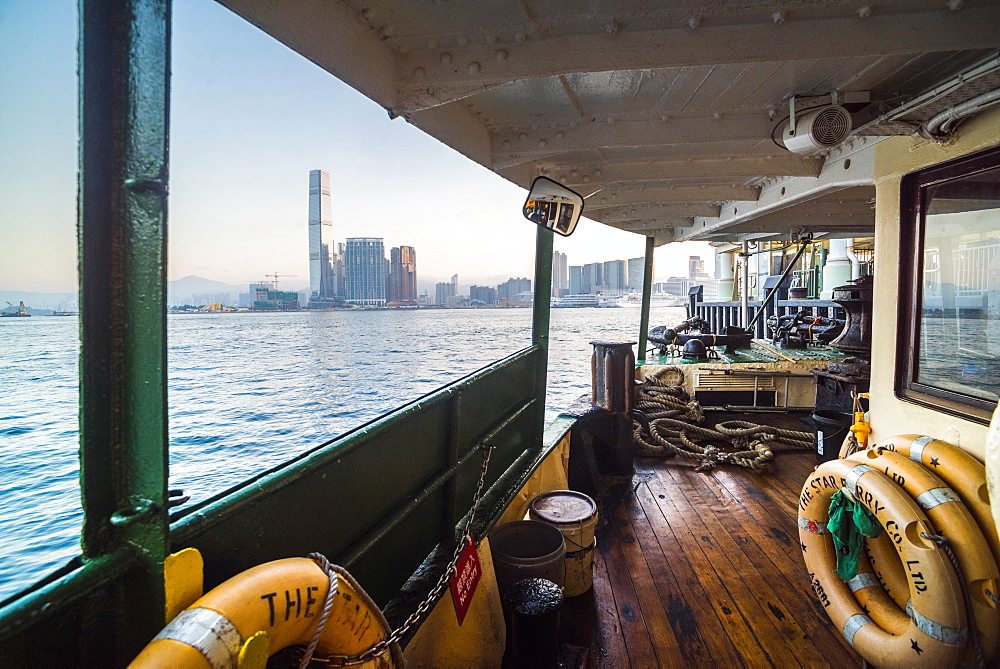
[479,640]
[895,157]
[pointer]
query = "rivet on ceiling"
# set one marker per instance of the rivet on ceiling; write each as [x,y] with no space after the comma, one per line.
[864,11]
[694,22]
[389,30]
[419,73]
[491,39]
[523,137]
[463,41]
[542,143]
[604,200]
[473,67]
[778,17]
[560,134]
[586,178]
[574,172]
[445,58]
[520,37]
[505,144]
[501,55]
[955,4]
[597,173]
[716,115]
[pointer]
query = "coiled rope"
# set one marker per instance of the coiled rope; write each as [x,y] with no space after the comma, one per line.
[673,428]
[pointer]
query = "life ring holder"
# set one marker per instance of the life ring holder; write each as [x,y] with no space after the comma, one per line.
[946,511]
[284,600]
[936,634]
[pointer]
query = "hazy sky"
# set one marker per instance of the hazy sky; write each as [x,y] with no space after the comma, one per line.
[249,119]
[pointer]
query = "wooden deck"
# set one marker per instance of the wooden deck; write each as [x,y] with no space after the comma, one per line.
[702,570]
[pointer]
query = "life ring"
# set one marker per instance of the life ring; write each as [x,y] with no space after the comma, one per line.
[936,634]
[283,598]
[875,601]
[961,471]
[947,512]
[888,569]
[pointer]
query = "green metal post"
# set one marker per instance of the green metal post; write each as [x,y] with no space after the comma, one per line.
[541,311]
[124,89]
[647,288]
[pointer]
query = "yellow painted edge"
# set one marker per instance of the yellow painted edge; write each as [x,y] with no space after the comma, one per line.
[183,580]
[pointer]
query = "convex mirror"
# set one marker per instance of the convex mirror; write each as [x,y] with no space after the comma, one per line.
[553,206]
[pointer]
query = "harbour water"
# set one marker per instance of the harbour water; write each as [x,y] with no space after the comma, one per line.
[248,391]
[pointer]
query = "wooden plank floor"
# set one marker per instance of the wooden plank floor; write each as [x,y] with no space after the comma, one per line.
[704,570]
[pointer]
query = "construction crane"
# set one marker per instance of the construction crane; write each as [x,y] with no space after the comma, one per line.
[275,279]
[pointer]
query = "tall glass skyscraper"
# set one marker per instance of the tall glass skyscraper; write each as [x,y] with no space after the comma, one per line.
[366,270]
[322,255]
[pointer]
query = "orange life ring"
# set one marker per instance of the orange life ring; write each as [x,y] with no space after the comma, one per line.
[961,471]
[947,513]
[283,598]
[888,569]
[936,634]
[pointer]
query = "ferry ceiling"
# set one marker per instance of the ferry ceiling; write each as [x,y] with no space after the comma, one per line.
[669,117]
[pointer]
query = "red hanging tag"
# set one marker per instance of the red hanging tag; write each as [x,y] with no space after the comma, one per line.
[465,579]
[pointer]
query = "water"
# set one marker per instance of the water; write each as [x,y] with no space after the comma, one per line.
[249,391]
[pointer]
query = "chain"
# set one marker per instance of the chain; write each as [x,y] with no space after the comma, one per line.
[435,593]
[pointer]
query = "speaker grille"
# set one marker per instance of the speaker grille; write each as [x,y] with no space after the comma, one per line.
[831,126]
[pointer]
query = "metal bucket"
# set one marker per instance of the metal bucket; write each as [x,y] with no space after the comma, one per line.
[527,549]
[575,516]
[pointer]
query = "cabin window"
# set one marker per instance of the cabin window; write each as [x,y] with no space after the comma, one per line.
[949,352]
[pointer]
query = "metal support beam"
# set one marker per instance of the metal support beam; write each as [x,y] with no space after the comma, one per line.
[540,313]
[647,286]
[441,74]
[124,88]
[847,167]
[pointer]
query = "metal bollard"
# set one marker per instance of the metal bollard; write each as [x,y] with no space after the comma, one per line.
[613,379]
[612,368]
[534,605]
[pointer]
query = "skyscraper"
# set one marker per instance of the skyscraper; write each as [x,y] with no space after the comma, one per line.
[576,280]
[402,274]
[560,274]
[614,275]
[322,256]
[636,269]
[366,269]
[593,277]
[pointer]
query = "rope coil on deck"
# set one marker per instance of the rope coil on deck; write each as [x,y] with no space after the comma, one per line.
[673,428]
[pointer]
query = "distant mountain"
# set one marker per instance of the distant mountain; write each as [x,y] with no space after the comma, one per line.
[46,301]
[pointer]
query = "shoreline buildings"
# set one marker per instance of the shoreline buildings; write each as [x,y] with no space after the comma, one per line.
[355,272]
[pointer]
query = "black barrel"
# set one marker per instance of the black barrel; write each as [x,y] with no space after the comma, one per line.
[831,430]
[534,605]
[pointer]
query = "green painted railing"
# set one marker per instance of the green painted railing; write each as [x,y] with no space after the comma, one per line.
[377,500]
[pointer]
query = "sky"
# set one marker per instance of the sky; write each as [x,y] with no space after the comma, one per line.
[249,120]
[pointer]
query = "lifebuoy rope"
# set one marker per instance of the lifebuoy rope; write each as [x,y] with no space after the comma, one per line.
[977,647]
[672,428]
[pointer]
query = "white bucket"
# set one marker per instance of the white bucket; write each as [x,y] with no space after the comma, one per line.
[575,515]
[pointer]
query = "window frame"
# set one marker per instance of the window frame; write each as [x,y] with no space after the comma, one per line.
[913,190]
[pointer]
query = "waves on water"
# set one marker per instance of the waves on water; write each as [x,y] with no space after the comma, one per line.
[248,392]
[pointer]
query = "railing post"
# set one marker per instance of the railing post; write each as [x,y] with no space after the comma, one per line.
[124,65]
